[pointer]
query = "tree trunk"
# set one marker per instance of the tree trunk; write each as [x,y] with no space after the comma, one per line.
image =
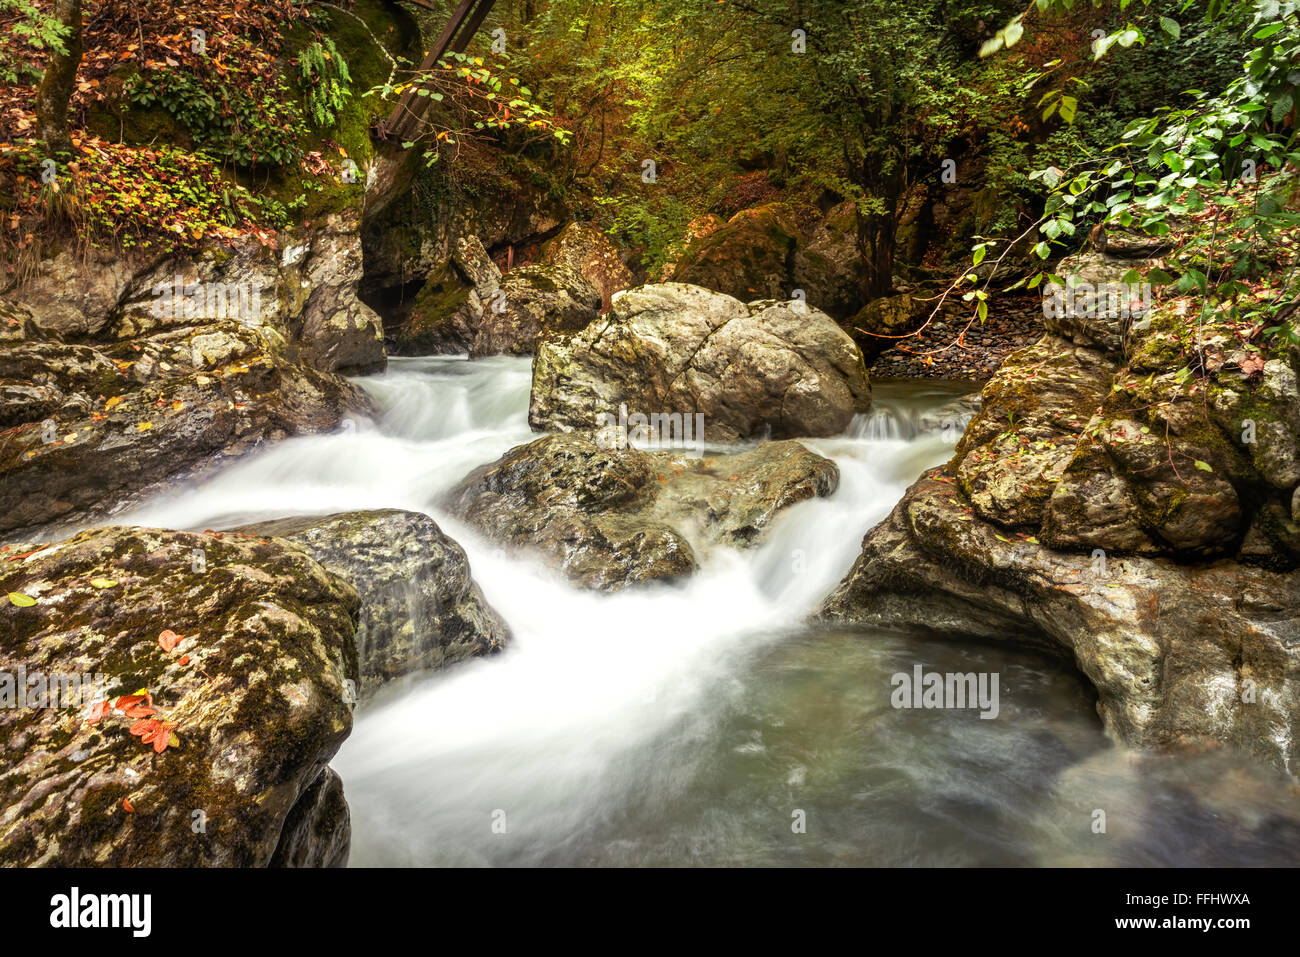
[59,80]
[875,241]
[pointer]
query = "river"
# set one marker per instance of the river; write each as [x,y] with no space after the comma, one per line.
[708,723]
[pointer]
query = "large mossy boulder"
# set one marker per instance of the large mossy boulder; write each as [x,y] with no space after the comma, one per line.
[94,427]
[214,681]
[420,609]
[1179,655]
[610,516]
[769,369]
[751,257]
[1127,495]
[584,249]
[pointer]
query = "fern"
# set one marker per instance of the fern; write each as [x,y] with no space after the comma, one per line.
[324,76]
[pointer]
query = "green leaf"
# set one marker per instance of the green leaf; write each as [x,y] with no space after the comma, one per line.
[1203,466]
[1171,27]
[1282,106]
[20,600]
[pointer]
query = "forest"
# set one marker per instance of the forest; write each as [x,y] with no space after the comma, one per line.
[692,433]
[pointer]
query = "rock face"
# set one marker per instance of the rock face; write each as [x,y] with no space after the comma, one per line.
[337,331]
[769,251]
[449,307]
[778,369]
[584,249]
[89,427]
[1177,653]
[467,305]
[535,301]
[1111,502]
[258,692]
[307,295]
[611,517]
[420,610]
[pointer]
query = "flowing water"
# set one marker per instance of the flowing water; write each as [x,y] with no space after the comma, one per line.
[708,723]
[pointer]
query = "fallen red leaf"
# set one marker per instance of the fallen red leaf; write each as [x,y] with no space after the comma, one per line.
[152,731]
[128,806]
[169,640]
[97,712]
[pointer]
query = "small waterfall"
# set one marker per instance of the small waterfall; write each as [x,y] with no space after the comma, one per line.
[683,724]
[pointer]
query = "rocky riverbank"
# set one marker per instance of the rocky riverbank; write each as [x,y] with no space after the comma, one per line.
[1142,520]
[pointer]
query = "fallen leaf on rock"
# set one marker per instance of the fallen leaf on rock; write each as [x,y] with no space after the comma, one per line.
[103,582]
[98,711]
[127,806]
[157,733]
[169,640]
[21,600]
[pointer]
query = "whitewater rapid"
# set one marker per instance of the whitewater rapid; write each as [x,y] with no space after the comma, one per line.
[693,723]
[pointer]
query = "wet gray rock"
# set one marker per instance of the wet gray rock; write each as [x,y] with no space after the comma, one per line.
[612,517]
[768,369]
[93,428]
[420,609]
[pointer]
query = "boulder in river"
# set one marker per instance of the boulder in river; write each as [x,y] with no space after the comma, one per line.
[612,517]
[205,682]
[769,369]
[91,427]
[1176,653]
[420,610]
[1111,503]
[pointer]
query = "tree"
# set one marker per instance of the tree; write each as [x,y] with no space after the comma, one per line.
[59,80]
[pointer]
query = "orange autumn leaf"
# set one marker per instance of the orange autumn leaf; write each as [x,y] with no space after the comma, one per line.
[169,640]
[185,659]
[127,700]
[139,711]
[127,806]
[98,711]
[157,733]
